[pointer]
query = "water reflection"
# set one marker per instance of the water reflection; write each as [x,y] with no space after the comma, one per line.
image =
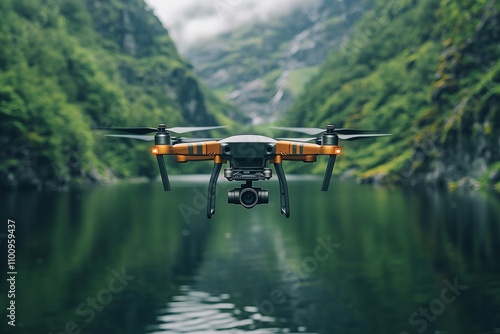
[355,260]
[199,312]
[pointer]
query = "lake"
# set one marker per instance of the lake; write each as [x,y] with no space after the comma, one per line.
[131,258]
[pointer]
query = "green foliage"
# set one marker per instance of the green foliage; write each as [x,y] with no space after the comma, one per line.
[298,79]
[66,66]
[426,70]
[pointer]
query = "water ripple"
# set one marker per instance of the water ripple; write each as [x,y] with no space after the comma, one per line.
[199,312]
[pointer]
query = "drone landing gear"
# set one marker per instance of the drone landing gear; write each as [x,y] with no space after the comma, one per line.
[284,202]
[163,172]
[212,186]
[328,173]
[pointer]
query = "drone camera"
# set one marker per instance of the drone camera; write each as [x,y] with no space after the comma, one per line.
[248,197]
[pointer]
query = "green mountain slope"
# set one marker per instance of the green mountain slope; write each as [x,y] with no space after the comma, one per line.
[427,70]
[68,65]
[263,66]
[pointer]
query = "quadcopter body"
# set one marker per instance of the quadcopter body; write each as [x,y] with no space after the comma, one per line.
[247,157]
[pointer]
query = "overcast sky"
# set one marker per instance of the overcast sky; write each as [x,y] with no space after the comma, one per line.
[191,20]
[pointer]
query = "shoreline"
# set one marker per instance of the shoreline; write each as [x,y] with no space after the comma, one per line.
[465,183]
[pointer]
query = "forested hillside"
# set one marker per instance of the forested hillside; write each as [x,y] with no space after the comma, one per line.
[426,70]
[429,71]
[68,65]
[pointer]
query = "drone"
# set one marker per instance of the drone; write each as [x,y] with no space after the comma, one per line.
[248,156]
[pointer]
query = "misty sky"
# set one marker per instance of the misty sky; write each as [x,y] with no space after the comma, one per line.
[191,20]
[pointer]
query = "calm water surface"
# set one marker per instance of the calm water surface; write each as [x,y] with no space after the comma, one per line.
[360,259]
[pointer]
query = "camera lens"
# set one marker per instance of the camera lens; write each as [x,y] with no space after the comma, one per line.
[233,196]
[249,198]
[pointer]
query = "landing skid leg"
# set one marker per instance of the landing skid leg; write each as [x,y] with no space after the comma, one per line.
[163,172]
[285,205]
[212,186]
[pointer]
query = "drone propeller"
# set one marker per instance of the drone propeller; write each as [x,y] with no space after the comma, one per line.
[140,137]
[146,130]
[194,129]
[176,140]
[161,137]
[303,140]
[307,131]
[193,140]
[330,136]
[345,134]
[362,135]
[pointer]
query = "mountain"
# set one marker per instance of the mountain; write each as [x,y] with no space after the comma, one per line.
[429,71]
[66,66]
[263,66]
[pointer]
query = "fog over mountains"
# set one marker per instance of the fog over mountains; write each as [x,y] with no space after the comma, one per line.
[260,55]
[190,21]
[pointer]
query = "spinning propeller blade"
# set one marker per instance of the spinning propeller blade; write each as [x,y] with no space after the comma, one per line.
[350,134]
[346,134]
[140,137]
[194,140]
[176,140]
[194,129]
[307,131]
[353,137]
[298,139]
[146,130]
[135,131]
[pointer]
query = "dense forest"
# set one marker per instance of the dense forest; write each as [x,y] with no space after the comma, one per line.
[429,71]
[69,65]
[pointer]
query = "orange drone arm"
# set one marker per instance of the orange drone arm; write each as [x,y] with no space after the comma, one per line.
[287,150]
[209,150]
